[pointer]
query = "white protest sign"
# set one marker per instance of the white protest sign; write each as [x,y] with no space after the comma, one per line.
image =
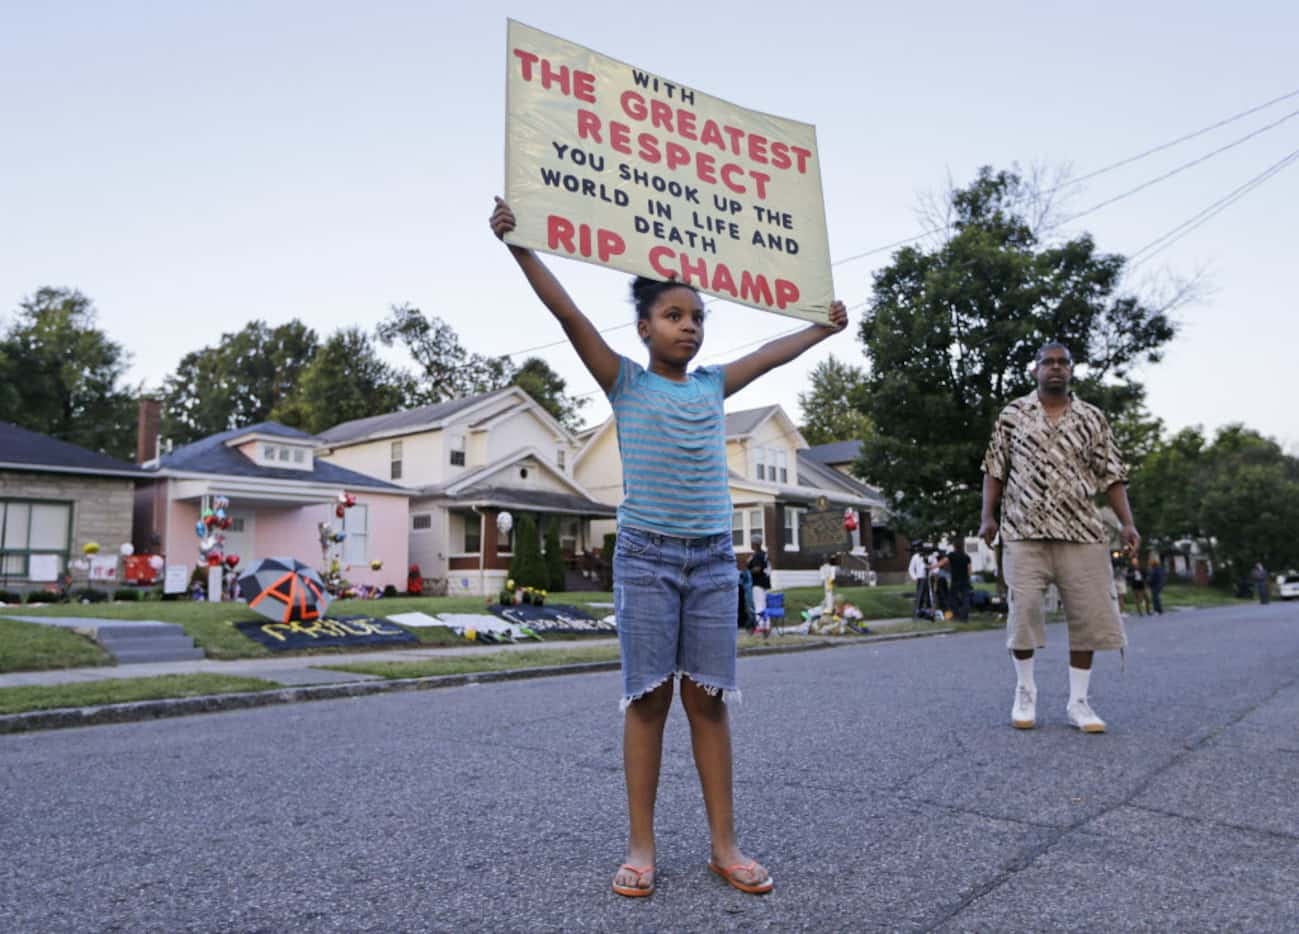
[622,168]
[176,578]
[103,567]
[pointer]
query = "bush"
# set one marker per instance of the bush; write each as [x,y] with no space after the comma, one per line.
[555,571]
[390,591]
[89,595]
[527,567]
[126,593]
[10,596]
[43,596]
[606,561]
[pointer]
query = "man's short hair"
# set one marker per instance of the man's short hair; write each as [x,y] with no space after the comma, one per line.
[1049,346]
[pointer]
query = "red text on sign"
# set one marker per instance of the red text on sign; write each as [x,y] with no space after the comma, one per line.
[561,233]
[752,287]
[574,83]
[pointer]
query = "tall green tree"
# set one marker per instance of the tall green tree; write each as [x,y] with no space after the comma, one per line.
[537,379]
[63,376]
[345,380]
[238,382]
[446,369]
[951,334]
[834,408]
[527,565]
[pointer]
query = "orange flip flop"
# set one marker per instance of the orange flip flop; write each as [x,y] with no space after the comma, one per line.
[753,888]
[637,890]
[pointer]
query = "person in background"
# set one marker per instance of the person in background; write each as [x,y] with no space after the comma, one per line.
[959,595]
[759,567]
[1155,577]
[918,571]
[1261,583]
[1136,578]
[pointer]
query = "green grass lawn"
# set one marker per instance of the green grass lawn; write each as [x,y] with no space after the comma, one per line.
[211,627]
[124,690]
[33,647]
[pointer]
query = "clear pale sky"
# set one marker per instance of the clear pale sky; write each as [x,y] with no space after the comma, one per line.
[192,167]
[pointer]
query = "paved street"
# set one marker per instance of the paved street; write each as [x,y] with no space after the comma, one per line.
[882,784]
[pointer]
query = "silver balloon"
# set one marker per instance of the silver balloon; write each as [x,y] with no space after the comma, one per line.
[504,522]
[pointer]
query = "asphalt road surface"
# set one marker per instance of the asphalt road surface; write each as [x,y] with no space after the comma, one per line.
[882,785]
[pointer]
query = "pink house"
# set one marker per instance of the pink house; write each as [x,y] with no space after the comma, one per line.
[279,493]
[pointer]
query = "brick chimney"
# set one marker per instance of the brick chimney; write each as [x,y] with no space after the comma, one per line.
[149,427]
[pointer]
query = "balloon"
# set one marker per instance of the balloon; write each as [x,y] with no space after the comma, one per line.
[210,520]
[339,510]
[156,562]
[127,549]
[850,519]
[207,543]
[232,560]
[504,522]
[221,502]
[213,560]
[90,548]
[227,523]
[340,536]
[376,565]
[200,529]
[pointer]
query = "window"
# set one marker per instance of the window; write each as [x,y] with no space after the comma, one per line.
[781,470]
[792,514]
[299,455]
[395,460]
[883,540]
[237,524]
[457,450]
[559,458]
[473,535]
[356,523]
[421,522]
[284,454]
[29,529]
[568,529]
[505,543]
[746,525]
[268,452]
[760,456]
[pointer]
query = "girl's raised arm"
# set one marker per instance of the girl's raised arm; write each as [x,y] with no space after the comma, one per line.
[598,357]
[774,353]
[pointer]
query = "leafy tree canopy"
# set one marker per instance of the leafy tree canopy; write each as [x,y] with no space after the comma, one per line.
[951,334]
[537,379]
[62,376]
[239,382]
[345,380]
[834,408]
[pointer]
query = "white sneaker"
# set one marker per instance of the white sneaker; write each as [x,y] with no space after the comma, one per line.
[1023,715]
[1082,716]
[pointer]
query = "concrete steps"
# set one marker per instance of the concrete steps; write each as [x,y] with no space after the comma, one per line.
[137,643]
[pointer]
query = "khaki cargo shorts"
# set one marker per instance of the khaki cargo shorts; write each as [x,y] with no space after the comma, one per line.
[1081,572]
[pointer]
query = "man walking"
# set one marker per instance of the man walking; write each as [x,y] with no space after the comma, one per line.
[1049,455]
[959,594]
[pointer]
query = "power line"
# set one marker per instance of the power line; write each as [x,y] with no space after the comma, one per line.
[1181,168]
[1171,236]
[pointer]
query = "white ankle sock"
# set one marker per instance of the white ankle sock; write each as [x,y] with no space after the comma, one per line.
[1079,678]
[1024,672]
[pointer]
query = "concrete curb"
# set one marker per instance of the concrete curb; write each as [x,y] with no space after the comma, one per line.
[69,717]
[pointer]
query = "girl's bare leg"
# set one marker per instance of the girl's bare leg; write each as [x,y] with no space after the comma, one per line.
[642,754]
[710,738]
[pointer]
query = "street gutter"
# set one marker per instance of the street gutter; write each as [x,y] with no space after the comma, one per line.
[69,717]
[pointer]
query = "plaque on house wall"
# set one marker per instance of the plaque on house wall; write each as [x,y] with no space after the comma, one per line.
[821,531]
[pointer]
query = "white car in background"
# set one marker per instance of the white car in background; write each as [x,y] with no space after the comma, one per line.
[1287,585]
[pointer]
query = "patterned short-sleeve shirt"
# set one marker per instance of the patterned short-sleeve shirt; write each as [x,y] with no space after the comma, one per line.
[1052,472]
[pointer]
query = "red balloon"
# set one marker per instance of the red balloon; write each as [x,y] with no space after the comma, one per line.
[338,510]
[213,559]
[210,521]
[232,560]
[227,522]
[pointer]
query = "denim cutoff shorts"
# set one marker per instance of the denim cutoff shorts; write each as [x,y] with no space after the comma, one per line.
[676,602]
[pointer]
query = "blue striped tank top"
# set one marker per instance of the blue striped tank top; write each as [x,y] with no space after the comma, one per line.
[672,438]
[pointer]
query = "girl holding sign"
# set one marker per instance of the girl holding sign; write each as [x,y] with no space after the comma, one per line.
[674,571]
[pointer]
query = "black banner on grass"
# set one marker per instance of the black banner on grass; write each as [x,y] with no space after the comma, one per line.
[318,633]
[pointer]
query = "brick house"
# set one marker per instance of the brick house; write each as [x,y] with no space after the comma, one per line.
[54,498]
